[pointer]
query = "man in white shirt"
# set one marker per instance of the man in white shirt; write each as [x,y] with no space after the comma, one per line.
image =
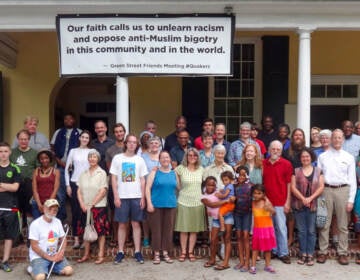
[338,167]
[128,172]
[45,234]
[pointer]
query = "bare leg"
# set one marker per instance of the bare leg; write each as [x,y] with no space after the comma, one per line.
[213,245]
[136,235]
[246,241]
[121,236]
[227,241]
[254,257]
[192,242]
[240,248]
[7,249]
[101,242]
[222,223]
[267,255]
[184,236]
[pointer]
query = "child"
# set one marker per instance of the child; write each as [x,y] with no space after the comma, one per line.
[263,232]
[243,217]
[227,177]
[212,203]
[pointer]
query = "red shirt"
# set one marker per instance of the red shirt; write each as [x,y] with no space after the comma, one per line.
[261,145]
[276,176]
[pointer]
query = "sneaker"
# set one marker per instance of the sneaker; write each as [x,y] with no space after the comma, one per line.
[139,258]
[5,266]
[119,257]
[146,242]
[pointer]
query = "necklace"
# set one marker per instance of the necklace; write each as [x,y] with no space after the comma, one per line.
[45,171]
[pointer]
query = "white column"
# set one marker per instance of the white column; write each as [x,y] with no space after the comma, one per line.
[122,101]
[304,82]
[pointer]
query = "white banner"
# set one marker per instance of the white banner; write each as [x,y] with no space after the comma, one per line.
[143,45]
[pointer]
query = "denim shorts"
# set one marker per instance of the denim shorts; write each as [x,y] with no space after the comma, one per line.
[229,220]
[42,266]
[129,208]
[243,222]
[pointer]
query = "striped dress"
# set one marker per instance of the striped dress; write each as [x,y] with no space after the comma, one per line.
[263,238]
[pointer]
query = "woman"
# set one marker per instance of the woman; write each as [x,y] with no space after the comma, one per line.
[151,158]
[283,135]
[315,139]
[307,184]
[144,138]
[45,183]
[78,161]
[190,217]
[251,159]
[91,193]
[218,166]
[161,186]
[206,154]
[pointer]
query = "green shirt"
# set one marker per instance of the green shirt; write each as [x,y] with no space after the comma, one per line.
[26,161]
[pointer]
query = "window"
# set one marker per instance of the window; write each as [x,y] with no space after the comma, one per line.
[235,99]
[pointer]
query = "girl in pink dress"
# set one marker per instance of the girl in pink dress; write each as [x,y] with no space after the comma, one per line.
[263,238]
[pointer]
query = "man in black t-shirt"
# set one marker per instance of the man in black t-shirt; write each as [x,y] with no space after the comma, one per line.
[9,184]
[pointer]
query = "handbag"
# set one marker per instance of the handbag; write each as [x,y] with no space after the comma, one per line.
[321,212]
[90,233]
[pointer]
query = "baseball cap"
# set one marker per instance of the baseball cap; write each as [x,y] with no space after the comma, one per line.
[51,202]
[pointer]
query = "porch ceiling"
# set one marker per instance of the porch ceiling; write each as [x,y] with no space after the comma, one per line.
[255,15]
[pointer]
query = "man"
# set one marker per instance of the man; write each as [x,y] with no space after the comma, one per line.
[171,139]
[207,126]
[9,222]
[220,132]
[119,132]
[128,172]
[357,128]
[277,173]
[38,141]
[338,167]
[26,159]
[178,151]
[63,140]
[268,133]
[46,234]
[102,142]
[352,141]
[236,147]
[151,126]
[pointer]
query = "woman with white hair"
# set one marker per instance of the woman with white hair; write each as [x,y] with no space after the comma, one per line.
[91,194]
[218,166]
[325,136]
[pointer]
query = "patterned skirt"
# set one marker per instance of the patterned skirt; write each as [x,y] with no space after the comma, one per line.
[101,223]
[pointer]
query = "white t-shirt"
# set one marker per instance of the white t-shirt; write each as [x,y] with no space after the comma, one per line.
[78,158]
[128,170]
[47,234]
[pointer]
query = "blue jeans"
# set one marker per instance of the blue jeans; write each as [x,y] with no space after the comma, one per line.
[61,196]
[42,266]
[305,223]
[279,220]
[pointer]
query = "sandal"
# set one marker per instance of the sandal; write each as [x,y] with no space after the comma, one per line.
[238,266]
[156,259]
[167,259]
[99,260]
[83,259]
[209,264]
[192,258]
[252,270]
[221,267]
[182,257]
[269,269]
[302,260]
[310,261]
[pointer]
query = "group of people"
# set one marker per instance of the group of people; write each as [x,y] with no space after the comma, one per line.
[264,185]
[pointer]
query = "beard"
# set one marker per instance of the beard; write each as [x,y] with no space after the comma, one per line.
[274,157]
[298,145]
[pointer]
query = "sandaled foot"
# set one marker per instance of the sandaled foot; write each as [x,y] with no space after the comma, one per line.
[269,269]
[167,259]
[156,259]
[221,267]
[238,266]
[209,264]
[252,270]
[182,257]
[83,259]
[99,260]
[310,261]
[192,258]
[302,260]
